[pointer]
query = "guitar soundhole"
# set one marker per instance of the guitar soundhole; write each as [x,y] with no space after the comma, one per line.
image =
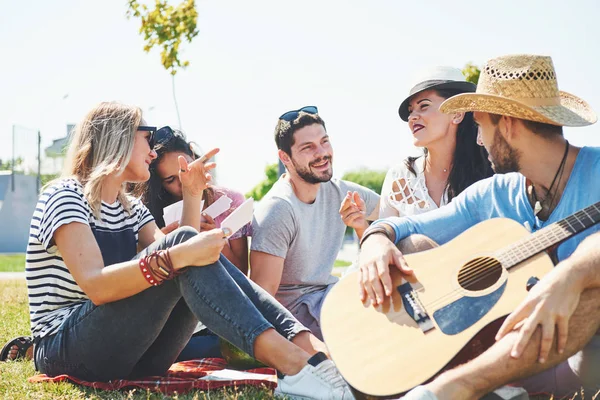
[480,273]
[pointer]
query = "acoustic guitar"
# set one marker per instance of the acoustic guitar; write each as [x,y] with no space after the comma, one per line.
[457,290]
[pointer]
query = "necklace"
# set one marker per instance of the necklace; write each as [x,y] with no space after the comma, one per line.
[538,207]
[427,162]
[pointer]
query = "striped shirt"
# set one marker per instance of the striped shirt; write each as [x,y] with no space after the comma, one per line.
[53,292]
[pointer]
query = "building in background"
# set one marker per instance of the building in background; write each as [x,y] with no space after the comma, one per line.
[55,153]
[16,209]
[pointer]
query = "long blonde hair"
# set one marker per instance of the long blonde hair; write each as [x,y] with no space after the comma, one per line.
[101,145]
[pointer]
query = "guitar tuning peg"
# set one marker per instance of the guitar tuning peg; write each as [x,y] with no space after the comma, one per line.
[531,282]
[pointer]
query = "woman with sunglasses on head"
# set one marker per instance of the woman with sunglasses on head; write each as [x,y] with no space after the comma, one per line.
[453,158]
[112,297]
[163,189]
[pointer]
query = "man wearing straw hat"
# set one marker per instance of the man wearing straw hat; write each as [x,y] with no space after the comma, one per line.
[540,179]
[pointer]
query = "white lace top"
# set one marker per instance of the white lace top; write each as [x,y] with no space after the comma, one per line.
[403,193]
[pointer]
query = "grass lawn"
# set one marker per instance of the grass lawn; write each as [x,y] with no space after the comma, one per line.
[12,263]
[13,375]
[341,263]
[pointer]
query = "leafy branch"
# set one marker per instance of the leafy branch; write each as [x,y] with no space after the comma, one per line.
[166,27]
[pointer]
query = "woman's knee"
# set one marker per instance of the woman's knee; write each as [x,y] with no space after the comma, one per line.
[415,244]
[181,235]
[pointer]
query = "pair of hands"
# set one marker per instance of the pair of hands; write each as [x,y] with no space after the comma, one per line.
[549,304]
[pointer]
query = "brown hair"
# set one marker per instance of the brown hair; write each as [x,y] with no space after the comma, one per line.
[284,131]
[539,128]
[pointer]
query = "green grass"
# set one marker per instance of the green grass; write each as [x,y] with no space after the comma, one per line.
[12,263]
[14,374]
[341,263]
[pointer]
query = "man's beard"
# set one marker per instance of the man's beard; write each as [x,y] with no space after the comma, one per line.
[310,177]
[504,158]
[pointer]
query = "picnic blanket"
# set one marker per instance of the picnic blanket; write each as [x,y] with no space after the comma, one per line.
[200,374]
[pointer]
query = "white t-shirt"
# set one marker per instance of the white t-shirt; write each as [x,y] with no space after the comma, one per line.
[404,193]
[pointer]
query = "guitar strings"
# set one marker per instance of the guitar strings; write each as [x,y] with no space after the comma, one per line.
[481,266]
[486,266]
[486,272]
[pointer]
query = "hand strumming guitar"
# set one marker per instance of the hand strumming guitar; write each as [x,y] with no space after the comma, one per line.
[552,301]
[376,255]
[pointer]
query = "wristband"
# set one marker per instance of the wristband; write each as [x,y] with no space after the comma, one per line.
[382,228]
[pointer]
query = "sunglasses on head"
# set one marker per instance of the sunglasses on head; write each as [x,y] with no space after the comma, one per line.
[161,136]
[292,115]
[164,135]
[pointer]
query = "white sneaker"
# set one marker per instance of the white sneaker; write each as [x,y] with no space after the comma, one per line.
[318,380]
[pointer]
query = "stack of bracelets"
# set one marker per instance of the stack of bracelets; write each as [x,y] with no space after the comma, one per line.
[161,271]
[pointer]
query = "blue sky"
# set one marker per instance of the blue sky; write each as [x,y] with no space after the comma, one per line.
[252,61]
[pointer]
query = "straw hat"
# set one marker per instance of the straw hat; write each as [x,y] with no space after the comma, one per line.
[436,78]
[523,86]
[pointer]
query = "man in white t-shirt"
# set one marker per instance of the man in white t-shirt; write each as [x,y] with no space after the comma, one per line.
[297,227]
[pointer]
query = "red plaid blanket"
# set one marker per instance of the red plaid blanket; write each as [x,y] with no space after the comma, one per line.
[201,374]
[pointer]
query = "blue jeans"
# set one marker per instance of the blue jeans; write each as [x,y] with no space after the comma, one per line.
[142,335]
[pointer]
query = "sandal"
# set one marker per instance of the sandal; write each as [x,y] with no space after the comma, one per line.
[23,343]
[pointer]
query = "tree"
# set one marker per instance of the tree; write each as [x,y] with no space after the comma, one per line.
[8,165]
[259,191]
[367,178]
[471,72]
[167,26]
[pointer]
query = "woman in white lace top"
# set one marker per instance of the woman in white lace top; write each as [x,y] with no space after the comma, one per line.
[452,160]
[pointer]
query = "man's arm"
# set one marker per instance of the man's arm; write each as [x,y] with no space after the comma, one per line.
[574,284]
[554,299]
[375,214]
[378,250]
[266,270]
[273,229]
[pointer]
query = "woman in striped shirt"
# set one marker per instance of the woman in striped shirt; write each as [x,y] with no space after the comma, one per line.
[112,297]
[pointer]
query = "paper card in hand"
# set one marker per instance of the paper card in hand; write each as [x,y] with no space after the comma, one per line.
[174,212]
[240,216]
[217,208]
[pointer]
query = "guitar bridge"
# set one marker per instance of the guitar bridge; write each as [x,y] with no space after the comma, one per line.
[414,308]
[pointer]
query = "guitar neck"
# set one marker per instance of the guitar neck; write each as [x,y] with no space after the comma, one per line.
[549,236]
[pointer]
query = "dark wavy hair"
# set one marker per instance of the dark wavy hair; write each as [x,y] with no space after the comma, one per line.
[152,192]
[470,161]
[284,131]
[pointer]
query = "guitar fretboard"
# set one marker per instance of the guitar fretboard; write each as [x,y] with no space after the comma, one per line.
[549,236]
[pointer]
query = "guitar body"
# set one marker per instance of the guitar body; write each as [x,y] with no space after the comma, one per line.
[383,351]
